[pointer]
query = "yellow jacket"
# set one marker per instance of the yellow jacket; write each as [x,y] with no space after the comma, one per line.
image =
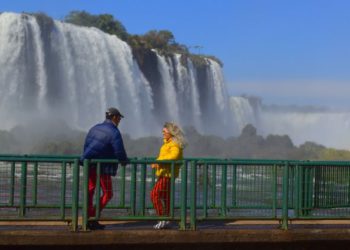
[170,150]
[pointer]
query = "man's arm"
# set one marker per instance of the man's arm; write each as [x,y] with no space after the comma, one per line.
[118,147]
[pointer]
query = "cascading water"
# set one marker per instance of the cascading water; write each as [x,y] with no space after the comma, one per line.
[168,86]
[22,75]
[179,84]
[72,73]
[54,70]
[244,112]
[218,103]
[193,100]
[194,95]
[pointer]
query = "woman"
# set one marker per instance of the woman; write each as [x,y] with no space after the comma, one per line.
[172,148]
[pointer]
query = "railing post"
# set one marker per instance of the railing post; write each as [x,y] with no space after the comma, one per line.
[205,190]
[35,184]
[310,189]
[172,190]
[75,195]
[234,185]
[98,191]
[307,190]
[348,175]
[274,190]
[317,190]
[122,185]
[183,211]
[302,190]
[298,191]
[133,190]
[193,198]
[85,194]
[223,190]
[12,184]
[213,187]
[23,190]
[285,196]
[63,190]
[143,189]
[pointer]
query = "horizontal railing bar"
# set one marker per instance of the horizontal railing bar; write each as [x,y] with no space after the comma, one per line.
[142,218]
[228,218]
[36,219]
[319,218]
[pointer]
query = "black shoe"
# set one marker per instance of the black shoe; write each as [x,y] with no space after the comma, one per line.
[94,225]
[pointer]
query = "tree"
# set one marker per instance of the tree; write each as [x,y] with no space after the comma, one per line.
[81,18]
[104,22]
[159,39]
[111,26]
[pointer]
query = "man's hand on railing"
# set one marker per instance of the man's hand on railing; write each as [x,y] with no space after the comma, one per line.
[125,162]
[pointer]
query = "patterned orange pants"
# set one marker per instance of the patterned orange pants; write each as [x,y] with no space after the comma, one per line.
[160,196]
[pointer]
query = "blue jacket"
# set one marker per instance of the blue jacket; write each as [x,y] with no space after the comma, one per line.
[104,141]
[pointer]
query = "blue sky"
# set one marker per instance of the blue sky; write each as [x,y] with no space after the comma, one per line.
[287,52]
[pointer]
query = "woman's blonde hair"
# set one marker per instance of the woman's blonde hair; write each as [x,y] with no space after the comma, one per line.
[177,133]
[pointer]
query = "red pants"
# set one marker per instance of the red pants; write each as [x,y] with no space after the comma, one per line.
[160,196]
[106,186]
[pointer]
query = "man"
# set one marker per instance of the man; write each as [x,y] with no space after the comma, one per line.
[103,141]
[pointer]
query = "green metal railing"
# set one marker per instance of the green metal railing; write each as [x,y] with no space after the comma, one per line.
[34,187]
[39,188]
[132,187]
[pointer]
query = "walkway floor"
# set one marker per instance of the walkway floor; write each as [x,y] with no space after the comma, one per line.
[140,235]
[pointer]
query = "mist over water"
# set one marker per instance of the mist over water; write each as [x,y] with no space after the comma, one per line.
[331,129]
[327,127]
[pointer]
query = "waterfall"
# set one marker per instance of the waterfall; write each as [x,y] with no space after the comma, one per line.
[54,71]
[221,118]
[71,73]
[201,102]
[244,112]
[168,86]
[51,70]
[23,80]
[194,96]
[217,85]
[180,87]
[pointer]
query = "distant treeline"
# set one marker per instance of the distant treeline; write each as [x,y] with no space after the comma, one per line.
[248,145]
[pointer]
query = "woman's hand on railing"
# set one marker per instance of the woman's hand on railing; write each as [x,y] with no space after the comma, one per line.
[154,165]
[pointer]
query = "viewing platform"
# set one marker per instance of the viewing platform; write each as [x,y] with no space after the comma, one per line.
[231,203]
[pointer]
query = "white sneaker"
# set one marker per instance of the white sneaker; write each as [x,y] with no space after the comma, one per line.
[157,226]
[162,225]
[166,224]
